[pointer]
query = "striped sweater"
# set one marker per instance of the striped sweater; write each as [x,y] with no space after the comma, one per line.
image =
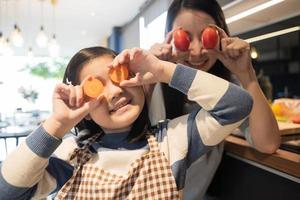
[39,167]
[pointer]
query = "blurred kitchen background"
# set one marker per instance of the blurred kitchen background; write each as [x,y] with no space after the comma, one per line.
[38,37]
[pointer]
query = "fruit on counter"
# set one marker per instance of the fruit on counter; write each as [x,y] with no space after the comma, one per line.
[118,74]
[296,119]
[282,119]
[280,111]
[277,109]
[181,39]
[286,110]
[210,37]
[92,87]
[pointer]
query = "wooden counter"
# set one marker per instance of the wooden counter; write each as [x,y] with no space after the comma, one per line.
[282,160]
[288,128]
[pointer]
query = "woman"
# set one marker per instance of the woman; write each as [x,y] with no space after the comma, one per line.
[230,60]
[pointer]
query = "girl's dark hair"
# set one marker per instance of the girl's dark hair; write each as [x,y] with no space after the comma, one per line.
[140,126]
[173,99]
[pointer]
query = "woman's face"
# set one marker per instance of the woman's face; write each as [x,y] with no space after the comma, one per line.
[121,106]
[193,22]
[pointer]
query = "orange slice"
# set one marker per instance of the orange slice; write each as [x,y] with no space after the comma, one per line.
[93,87]
[118,74]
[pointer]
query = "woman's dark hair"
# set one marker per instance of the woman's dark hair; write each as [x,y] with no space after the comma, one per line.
[140,126]
[173,99]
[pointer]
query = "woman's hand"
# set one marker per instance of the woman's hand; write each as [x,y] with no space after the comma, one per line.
[146,67]
[69,108]
[166,51]
[234,54]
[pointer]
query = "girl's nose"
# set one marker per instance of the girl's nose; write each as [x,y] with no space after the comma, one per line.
[112,91]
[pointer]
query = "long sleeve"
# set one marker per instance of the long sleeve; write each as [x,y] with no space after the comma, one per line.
[28,171]
[222,108]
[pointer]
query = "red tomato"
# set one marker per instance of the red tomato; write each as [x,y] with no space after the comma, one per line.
[209,38]
[296,119]
[181,40]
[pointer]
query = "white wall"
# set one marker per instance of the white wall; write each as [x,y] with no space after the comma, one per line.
[130,32]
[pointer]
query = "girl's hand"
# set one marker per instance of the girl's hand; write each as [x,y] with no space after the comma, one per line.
[235,54]
[69,107]
[146,67]
[165,51]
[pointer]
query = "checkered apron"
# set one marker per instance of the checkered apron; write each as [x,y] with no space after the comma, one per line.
[149,177]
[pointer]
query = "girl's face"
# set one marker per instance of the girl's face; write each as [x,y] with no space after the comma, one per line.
[193,22]
[121,105]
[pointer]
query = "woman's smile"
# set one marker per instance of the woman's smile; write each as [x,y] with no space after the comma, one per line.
[197,64]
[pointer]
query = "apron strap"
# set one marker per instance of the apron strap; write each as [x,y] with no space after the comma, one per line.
[83,154]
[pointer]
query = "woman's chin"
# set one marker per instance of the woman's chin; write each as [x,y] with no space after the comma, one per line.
[200,66]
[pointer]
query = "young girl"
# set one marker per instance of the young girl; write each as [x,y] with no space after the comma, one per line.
[117,155]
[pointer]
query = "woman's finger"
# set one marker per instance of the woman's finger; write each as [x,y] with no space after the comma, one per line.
[219,54]
[222,33]
[169,37]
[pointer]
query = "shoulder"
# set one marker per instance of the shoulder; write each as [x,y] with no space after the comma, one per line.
[173,138]
[66,148]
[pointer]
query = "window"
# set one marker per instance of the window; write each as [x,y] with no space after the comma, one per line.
[152,33]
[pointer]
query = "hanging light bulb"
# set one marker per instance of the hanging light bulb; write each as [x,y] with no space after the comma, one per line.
[253,53]
[16,37]
[29,52]
[53,2]
[42,39]
[53,47]
[8,51]
[2,42]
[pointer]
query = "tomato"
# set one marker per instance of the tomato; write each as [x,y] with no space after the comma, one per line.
[296,119]
[209,38]
[181,40]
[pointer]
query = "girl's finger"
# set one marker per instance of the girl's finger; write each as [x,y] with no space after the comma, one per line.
[124,57]
[119,59]
[88,106]
[135,81]
[79,95]
[61,91]
[129,83]
[62,88]
[135,52]
[72,96]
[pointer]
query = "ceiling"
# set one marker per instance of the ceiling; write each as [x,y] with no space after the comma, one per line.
[283,10]
[79,23]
